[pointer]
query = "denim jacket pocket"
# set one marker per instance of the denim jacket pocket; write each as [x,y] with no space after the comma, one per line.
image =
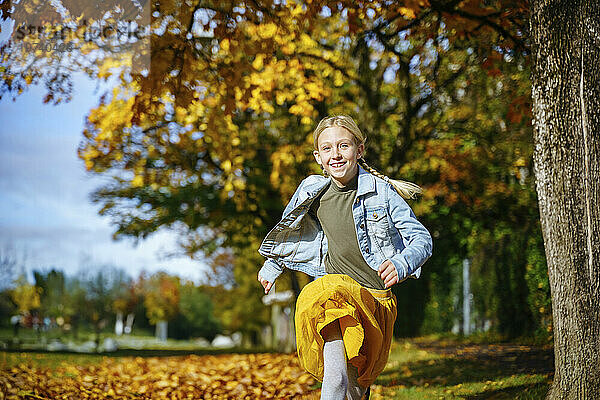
[378,231]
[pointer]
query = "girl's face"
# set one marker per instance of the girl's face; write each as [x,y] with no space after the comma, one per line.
[338,154]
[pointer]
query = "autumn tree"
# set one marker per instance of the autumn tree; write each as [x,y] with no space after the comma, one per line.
[214,136]
[25,295]
[403,67]
[161,293]
[566,109]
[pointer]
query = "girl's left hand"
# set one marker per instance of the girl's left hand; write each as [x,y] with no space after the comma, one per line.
[388,274]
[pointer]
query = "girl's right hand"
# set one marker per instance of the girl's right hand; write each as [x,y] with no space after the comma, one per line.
[265,283]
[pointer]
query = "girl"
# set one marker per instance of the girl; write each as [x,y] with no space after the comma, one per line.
[353,230]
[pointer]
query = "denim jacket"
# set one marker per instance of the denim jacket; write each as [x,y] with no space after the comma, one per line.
[386,229]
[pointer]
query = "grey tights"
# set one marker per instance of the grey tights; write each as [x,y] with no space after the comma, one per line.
[339,378]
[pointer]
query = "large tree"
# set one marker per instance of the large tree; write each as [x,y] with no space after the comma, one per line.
[215,136]
[566,111]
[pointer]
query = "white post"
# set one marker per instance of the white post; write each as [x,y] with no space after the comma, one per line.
[466,299]
[129,323]
[281,323]
[119,324]
[275,310]
[161,330]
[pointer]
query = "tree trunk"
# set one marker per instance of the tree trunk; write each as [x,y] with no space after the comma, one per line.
[566,121]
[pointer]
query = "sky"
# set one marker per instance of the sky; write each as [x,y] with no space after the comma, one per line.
[46,215]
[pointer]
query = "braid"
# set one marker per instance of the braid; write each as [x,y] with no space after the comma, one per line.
[407,190]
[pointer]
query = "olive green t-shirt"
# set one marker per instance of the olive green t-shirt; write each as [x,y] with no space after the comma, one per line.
[333,209]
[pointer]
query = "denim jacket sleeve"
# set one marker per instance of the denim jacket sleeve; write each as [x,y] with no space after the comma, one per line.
[271,269]
[417,239]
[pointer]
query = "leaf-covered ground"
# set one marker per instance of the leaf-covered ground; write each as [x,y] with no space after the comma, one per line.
[251,376]
[425,368]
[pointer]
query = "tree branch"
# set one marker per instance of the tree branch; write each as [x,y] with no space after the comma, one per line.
[485,20]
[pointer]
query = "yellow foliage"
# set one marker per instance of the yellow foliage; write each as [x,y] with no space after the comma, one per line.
[225,44]
[338,78]
[25,295]
[408,12]
[226,166]
[137,181]
[161,296]
[231,376]
[266,31]
[258,62]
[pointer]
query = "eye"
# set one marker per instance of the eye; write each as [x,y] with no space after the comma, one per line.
[325,148]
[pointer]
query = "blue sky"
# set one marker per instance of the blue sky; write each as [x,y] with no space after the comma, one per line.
[45,211]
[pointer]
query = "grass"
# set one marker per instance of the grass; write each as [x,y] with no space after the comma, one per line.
[47,360]
[433,368]
[30,336]
[419,368]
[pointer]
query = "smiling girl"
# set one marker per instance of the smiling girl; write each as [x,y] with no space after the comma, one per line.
[353,231]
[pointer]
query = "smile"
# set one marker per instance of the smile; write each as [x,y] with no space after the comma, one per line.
[337,164]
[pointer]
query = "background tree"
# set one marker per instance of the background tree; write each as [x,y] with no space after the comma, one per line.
[10,264]
[53,292]
[566,109]
[77,304]
[96,290]
[410,76]
[26,296]
[196,316]
[125,302]
[161,293]
[214,138]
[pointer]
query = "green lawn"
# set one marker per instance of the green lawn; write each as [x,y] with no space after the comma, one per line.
[433,368]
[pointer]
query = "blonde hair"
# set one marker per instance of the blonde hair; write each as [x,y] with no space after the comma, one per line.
[407,190]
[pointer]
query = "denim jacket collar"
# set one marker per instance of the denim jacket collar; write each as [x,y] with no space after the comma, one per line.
[366,184]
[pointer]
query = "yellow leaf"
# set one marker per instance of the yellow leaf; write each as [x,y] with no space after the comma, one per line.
[408,12]
[225,44]
[137,181]
[258,62]
[267,31]
[338,79]
[297,10]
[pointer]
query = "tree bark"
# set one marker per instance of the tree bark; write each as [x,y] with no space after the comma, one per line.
[566,120]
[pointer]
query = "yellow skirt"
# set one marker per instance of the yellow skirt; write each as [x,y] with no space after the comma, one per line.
[366,319]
